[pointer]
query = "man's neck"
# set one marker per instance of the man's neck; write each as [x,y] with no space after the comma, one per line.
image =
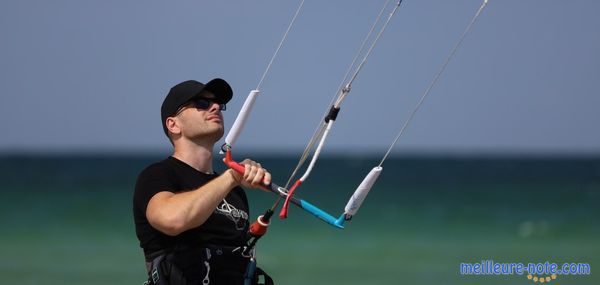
[197,156]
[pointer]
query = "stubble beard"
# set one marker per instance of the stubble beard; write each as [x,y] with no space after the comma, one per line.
[209,133]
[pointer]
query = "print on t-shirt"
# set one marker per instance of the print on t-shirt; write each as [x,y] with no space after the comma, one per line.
[239,217]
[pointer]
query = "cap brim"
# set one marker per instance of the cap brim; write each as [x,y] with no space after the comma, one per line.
[221,89]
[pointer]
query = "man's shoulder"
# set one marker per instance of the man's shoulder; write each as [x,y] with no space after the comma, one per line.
[156,167]
[155,177]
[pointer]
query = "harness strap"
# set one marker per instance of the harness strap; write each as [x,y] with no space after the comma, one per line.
[163,269]
[267,280]
[249,276]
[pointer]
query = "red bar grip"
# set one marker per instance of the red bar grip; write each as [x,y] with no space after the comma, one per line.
[241,169]
[234,165]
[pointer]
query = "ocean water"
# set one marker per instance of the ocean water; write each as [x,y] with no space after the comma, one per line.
[66,219]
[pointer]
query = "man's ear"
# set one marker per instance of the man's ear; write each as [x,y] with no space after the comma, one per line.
[173,125]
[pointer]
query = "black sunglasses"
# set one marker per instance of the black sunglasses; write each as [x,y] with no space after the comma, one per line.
[202,103]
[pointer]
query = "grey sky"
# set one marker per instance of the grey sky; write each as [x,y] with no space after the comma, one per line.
[91,75]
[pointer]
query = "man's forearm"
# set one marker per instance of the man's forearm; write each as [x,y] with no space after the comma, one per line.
[174,213]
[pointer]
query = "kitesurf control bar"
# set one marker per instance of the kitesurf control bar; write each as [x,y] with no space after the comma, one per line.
[303,204]
[335,108]
[363,189]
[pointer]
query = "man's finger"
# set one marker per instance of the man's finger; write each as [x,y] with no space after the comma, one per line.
[267,178]
[258,177]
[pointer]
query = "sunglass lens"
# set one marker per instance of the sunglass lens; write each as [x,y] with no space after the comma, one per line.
[202,103]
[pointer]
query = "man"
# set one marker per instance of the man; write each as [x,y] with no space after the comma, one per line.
[191,221]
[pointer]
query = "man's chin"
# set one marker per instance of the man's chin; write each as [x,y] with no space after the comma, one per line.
[214,135]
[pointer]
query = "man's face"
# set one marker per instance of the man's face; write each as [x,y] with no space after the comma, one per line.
[201,118]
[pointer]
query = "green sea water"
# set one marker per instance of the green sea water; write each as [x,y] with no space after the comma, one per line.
[67,219]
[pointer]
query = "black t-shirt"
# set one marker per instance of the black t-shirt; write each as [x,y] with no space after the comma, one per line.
[227,226]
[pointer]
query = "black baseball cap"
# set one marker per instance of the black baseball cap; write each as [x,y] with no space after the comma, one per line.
[185,91]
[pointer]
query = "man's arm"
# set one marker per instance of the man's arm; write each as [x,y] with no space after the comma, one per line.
[174,213]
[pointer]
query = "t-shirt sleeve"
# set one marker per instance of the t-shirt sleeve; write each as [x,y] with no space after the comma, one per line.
[151,180]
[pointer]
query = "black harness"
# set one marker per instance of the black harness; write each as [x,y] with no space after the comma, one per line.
[187,266]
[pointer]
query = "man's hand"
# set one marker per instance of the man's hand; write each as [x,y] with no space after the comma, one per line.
[255,176]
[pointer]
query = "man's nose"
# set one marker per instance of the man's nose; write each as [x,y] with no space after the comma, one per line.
[214,106]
